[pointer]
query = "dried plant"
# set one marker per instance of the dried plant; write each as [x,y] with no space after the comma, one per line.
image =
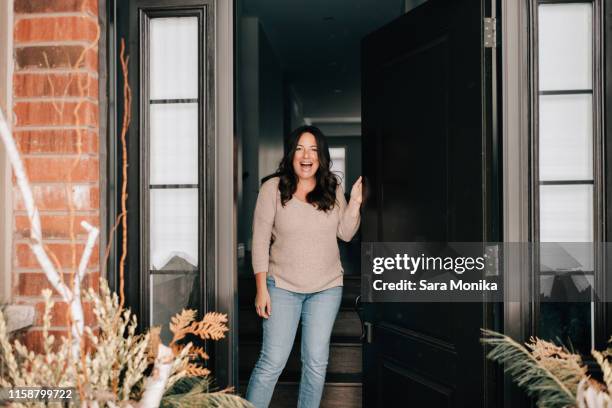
[565,366]
[120,364]
[603,359]
[554,376]
[194,392]
[213,326]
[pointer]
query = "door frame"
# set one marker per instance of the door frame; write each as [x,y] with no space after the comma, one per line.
[519,127]
[516,130]
[226,299]
[518,319]
[223,296]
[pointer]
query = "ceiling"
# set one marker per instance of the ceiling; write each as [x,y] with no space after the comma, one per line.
[318,43]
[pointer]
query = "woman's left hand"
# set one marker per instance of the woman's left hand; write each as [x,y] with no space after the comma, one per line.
[357,191]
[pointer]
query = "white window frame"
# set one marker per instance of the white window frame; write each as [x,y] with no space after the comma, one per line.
[6,195]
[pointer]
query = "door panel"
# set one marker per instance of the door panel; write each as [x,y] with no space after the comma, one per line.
[423,142]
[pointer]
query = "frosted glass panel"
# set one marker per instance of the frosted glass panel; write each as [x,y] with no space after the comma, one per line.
[174,227]
[170,294]
[566,256]
[565,46]
[338,166]
[566,137]
[566,213]
[174,143]
[174,57]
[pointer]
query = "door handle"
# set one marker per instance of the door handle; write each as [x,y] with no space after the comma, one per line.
[358,310]
[367,328]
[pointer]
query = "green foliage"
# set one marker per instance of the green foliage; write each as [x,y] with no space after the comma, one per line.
[537,379]
[194,392]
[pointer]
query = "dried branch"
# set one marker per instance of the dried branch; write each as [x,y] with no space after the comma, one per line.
[155,385]
[127,112]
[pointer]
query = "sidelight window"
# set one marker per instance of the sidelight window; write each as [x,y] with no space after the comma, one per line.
[170,144]
[566,168]
[173,190]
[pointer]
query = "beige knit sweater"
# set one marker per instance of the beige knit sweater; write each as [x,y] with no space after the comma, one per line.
[296,244]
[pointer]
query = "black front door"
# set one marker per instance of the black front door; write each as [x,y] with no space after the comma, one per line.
[425,141]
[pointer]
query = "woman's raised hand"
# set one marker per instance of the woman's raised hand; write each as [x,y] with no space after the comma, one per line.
[357,191]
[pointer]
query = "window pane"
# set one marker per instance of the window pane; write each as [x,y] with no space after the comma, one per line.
[174,143]
[580,285]
[566,137]
[566,256]
[174,57]
[173,226]
[566,213]
[565,46]
[172,293]
[338,166]
[569,323]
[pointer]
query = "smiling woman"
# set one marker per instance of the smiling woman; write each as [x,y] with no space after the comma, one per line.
[300,212]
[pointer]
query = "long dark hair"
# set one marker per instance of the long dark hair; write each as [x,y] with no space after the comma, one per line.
[324,193]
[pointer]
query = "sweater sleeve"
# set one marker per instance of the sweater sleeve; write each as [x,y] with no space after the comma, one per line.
[263,221]
[348,224]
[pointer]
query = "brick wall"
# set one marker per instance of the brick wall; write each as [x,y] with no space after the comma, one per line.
[55,105]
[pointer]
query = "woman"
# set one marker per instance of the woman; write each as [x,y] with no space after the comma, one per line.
[300,211]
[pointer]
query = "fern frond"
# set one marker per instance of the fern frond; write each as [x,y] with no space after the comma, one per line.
[197,397]
[198,352]
[563,364]
[180,322]
[537,380]
[186,384]
[194,370]
[213,326]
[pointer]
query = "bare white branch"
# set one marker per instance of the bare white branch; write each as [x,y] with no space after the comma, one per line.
[92,236]
[156,383]
[34,217]
[36,244]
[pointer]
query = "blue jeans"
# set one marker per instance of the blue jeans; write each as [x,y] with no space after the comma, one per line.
[318,312]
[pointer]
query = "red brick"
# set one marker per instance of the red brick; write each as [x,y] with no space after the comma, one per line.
[32,283]
[95,197]
[44,169]
[55,29]
[60,314]
[24,257]
[45,114]
[55,56]
[33,339]
[47,6]
[31,85]
[55,198]
[54,226]
[56,141]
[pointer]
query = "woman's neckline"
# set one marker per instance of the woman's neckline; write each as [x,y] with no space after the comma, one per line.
[294,197]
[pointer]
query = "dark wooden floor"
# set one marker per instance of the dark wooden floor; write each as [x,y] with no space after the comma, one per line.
[343,381]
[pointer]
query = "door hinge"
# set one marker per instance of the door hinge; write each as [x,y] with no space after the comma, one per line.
[492,260]
[490,32]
